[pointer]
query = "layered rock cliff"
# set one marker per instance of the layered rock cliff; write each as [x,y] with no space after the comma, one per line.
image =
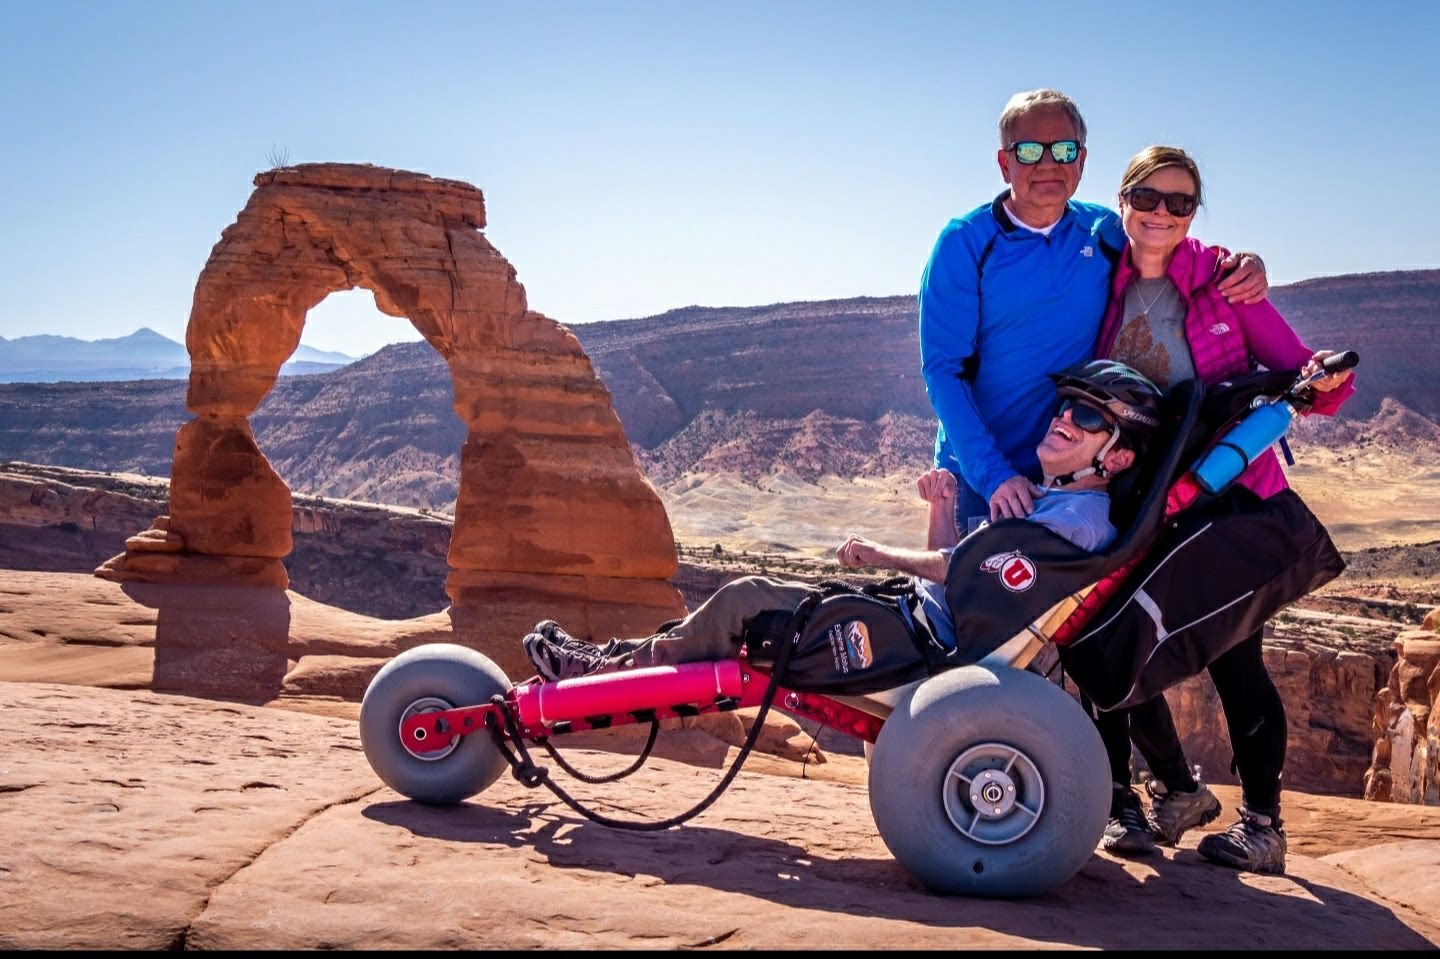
[1406,765]
[747,389]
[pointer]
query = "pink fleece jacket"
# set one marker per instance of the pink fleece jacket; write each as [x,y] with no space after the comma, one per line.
[1223,338]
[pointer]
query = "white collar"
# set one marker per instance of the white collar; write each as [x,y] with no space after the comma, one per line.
[1043,230]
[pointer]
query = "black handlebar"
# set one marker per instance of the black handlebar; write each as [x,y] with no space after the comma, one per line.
[1340,362]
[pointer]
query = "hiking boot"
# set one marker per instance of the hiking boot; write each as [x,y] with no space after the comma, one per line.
[1127,833]
[558,655]
[1255,844]
[1174,811]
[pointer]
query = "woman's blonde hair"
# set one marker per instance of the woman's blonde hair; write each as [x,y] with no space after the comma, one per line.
[1150,159]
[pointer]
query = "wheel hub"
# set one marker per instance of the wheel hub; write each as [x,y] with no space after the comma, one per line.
[993,793]
[429,704]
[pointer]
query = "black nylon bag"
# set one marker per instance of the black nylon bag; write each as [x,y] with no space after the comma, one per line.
[1003,577]
[850,643]
[1214,577]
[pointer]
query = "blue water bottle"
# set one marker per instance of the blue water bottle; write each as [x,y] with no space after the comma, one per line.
[1238,448]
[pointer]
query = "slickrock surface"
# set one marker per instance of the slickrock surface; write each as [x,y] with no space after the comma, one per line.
[148,821]
[553,515]
[254,645]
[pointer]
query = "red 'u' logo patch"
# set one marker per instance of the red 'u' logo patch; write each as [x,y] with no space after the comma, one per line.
[1018,574]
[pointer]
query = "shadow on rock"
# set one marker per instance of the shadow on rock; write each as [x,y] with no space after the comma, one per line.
[1184,902]
[463,823]
[218,641]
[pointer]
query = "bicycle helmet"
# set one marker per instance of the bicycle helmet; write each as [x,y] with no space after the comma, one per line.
[1131,400]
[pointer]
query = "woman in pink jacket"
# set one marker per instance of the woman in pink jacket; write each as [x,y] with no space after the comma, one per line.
[1166,319]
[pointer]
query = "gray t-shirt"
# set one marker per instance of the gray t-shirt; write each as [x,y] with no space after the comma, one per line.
[1152,334]
[1081,516]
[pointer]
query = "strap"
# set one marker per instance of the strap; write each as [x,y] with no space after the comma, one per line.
[529,775]
[980,262]
[1111,253]
[1238,452]
[970,365]
[892,588]
[612,777]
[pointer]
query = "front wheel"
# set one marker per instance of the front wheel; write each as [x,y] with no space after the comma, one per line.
[990,783]
[427,679]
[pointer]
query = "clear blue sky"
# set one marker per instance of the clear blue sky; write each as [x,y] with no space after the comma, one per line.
[642,156]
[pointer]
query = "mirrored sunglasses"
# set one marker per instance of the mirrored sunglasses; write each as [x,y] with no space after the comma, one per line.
[1145,200]
[1085,416]
[1031,152]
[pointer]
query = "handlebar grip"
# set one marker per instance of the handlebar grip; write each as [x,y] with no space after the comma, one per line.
[1340,362]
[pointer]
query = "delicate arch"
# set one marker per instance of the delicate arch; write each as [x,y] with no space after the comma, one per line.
[553,513]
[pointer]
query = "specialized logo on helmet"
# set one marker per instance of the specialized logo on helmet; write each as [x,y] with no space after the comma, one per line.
[1017,573]
[1129,413]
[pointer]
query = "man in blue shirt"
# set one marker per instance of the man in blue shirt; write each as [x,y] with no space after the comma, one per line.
[1106,414]
[1014,289]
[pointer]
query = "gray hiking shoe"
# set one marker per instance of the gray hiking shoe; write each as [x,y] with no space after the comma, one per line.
[1172,812]
[1127,833]
[1254,844]
[558,655]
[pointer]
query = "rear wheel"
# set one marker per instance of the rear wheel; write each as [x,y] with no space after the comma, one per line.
[431,678]
[990,783]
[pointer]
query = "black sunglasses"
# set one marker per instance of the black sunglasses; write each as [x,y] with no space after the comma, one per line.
[1145,200]
[1085,416]
[1030,152]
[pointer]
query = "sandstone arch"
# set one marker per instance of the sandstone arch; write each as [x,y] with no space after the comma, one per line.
[554,517]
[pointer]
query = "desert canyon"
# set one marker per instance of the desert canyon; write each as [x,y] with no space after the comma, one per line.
[181,660]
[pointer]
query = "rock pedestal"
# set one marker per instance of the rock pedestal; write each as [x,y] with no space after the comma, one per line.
[554,518]
[1406,764]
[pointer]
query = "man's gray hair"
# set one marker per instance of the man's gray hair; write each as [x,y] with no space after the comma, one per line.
[1022,103]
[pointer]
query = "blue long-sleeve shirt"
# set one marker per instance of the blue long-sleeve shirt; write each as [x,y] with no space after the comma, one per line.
[987,345]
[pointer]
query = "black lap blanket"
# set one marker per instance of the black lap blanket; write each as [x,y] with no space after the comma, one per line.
[1217,573]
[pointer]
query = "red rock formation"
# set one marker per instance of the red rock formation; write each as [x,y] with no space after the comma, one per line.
[553,518]
[1406,765]
[1328,691]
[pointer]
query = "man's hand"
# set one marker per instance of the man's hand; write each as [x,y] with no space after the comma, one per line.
[1326,383]
[940,489]
[928,564]
[937,486]
[1014,499]
[856,552]
[1248,284]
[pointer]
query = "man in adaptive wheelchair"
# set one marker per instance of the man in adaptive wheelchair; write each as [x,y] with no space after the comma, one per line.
[1107,413]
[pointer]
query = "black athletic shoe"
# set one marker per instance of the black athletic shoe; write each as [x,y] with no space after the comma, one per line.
[1255,844]
[558,655]
[1127,833]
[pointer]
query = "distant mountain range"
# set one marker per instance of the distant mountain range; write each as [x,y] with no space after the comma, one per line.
[815,389]
[143,355]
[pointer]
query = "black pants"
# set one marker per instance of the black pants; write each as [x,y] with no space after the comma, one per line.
[1254,715]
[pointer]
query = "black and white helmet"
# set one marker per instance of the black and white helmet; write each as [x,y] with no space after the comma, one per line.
[1120,390]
